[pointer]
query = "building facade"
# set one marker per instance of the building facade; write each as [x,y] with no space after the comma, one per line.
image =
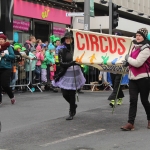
[38,19]
[133,14]
[35,17]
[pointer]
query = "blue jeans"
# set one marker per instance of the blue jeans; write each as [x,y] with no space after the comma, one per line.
[38,72]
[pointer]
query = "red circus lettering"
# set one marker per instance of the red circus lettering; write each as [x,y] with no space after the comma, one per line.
[79,35]
[93,42]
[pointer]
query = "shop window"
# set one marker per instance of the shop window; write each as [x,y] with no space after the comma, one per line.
[22,37]
[59,29]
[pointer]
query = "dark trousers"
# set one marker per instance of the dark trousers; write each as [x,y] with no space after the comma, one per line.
[57,69]
[115,82]
[141,86]
[69,96]
[38,73]
[5,75]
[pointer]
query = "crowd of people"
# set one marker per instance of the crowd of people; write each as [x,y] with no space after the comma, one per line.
[53,62]
[36,57]
[17,61]
[46,62]
[41,59]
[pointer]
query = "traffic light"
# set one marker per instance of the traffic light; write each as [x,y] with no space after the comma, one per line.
[115,15]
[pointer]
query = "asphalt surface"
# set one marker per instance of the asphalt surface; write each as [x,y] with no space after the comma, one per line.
[37,122]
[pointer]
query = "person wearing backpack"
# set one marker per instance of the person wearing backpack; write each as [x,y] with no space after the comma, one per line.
[139,77]
[6,62]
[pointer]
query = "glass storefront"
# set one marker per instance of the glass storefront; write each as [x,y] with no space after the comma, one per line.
[38,20]
[21,26]
[40,29]
[59,29]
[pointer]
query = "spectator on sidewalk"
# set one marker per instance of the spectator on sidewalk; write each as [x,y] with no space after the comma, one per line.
[38,43]
[40,58]
[31,64]
[18,59]
[30,43]
[6,59]
[44,69]
[50,59]
[56,42]
[51,48]
[20,65]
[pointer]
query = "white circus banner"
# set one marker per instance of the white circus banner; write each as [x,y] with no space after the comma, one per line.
[103,51]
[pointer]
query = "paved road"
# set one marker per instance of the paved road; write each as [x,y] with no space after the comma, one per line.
[37,122]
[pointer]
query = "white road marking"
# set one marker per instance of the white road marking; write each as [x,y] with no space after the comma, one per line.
[72,137]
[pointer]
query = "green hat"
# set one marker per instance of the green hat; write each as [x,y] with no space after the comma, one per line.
[17,46]
[53,38]
[23,49]
[56,39]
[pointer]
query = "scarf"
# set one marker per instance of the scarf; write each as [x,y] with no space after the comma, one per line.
[4,46]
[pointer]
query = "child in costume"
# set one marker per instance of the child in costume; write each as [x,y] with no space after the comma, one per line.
[44,69]
[50,62]
[18,58]
[56,42]
[51,49]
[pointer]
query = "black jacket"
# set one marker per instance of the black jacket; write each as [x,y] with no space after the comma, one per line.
[18,57]
[65,56]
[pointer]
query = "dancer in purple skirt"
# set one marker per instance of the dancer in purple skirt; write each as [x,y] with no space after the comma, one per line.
[70,78]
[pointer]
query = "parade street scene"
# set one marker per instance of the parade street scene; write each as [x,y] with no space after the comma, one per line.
[74,74]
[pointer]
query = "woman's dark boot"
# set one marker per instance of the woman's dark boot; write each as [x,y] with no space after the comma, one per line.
[74,113]
[70,116]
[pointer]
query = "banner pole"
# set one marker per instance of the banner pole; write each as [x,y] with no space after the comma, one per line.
[120,83]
